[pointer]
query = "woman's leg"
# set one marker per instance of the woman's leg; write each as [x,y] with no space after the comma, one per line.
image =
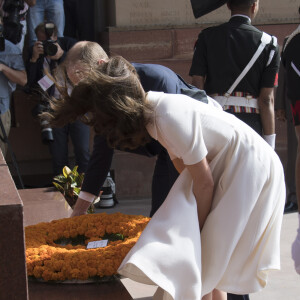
[215,295]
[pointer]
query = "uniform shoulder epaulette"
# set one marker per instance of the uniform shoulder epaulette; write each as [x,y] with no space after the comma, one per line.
[270,39]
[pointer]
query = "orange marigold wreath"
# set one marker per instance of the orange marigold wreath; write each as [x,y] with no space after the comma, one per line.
[57,250]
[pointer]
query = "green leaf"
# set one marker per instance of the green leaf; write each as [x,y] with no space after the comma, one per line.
[59,187]
[73,185]
[76,191]
[66,171]
[60,178]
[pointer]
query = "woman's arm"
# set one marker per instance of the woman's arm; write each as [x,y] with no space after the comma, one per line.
[178,164]
[203,186]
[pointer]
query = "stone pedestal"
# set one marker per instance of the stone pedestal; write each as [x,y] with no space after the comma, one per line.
[13,275]
[93,291]
[45,205]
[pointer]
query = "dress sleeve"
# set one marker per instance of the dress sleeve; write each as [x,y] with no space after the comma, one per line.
[181,133]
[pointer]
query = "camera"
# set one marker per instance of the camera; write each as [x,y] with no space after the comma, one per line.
[50,48]
[47,133]
[11,21]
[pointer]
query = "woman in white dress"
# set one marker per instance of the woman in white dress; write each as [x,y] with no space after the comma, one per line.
[230,188]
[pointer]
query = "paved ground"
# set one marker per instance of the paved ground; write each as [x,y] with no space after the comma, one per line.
[283,285]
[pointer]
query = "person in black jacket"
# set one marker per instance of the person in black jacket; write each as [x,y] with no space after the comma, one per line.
[222,54]
[80,59]
[291,63]
[45,55]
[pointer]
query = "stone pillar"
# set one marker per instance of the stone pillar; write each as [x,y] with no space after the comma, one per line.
[13,275]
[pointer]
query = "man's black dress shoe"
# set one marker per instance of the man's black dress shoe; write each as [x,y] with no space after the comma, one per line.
[290,207]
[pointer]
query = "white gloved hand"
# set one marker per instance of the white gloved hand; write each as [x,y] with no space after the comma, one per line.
[296,250]
[270,139]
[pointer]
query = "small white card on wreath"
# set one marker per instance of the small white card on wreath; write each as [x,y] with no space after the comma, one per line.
[97,244]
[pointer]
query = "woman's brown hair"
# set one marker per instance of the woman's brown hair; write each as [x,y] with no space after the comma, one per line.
[111,99]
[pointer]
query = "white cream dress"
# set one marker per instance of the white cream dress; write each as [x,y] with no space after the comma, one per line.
[240,240]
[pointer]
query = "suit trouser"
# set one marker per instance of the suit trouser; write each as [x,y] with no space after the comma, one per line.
[237,297]
[163,179]
[164,174]
[80,136]
[292,144]
[79,22]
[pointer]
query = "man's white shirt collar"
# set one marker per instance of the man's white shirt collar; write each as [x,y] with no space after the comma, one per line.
[244,16]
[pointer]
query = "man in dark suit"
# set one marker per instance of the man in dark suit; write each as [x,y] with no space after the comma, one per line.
[222,53]
[291,62]
[81,58]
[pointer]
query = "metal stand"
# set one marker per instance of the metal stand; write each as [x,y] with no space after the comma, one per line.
[14,161]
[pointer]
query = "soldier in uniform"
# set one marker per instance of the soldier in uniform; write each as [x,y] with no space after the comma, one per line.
[221,67]
[291,63]
[221,58]
[284,114]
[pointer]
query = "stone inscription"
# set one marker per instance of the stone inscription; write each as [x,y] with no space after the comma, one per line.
[151,13]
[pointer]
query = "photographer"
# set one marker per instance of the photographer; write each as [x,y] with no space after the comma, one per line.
[45,55]
[14,21]
[12,72]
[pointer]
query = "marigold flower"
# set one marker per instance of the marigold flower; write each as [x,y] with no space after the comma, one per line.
[49,260]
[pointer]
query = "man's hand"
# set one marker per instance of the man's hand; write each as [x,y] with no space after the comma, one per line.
[58,54]
[37,50]
[80,207]
[296,250]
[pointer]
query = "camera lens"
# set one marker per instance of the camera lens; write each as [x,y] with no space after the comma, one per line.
[50,48]
[47,133]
